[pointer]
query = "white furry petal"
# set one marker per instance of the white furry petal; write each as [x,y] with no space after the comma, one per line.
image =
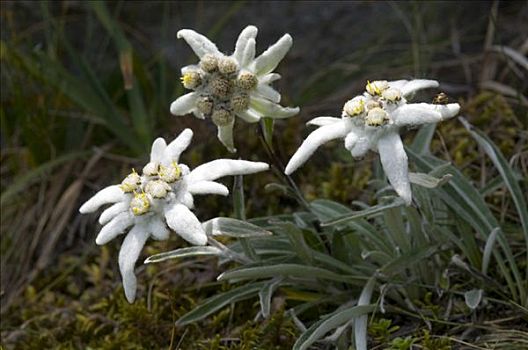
[110,194]
[128,255]
[367,140]
[322,121]
[184,104]
[158,148]
[269,78]
[394,161]
[270,109]
[249,115]
[268,92]
[109,213]
[225,135]
[224,167]
[361,146]
[313,141]
[408,87]
[208,187]
[250,32]
[350,140]
[115,227]
[186,224]
[198,43]
[422,113]
[176,147]
[249,53]
[157,229]
[270,58]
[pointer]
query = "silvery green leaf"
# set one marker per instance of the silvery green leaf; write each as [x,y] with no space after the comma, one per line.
[473,298]
[428,181]
[490,242]
[363,213]
[332,321]
[265,295]
[183,253]
[233,228]
[219,301]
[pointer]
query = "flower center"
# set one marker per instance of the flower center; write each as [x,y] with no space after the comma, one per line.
[140,204]
[170,173]
[151,169]
[131,182]
[157,188]
[376,117]
[222,86]
[354,107]
[377,87]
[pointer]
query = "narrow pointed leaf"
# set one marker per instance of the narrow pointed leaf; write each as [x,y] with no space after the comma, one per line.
[183,253]
[331,322]
[219,301]
[233,228]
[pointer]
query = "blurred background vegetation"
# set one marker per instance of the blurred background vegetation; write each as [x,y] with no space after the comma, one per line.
[86,87]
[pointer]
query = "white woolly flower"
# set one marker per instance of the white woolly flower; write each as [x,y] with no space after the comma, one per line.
[372,121]
[159,199]
[228,86]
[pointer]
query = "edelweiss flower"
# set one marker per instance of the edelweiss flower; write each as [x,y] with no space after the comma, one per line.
[228,86]
[372,122]
[161,196]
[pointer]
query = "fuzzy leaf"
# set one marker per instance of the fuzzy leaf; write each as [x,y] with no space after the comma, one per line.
[233,228]
[183,253]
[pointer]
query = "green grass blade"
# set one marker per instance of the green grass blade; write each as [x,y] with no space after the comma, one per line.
[138,111]
[468,204]
[506,172]
[33,176]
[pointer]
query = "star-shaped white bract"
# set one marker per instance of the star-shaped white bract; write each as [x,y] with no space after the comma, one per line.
[160,199]
[372,121]
[236,85]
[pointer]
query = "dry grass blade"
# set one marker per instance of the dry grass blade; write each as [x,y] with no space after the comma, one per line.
[504,90]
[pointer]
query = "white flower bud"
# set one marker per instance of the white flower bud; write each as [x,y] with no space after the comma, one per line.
[131,182]
[227,65]
[354,107]
[140,204]
[247,81]
[375,88]
[222,117]
[191,80]
[157,188]
[376,117]
[392,95]
[170,173]
[209,62]
[151,169]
